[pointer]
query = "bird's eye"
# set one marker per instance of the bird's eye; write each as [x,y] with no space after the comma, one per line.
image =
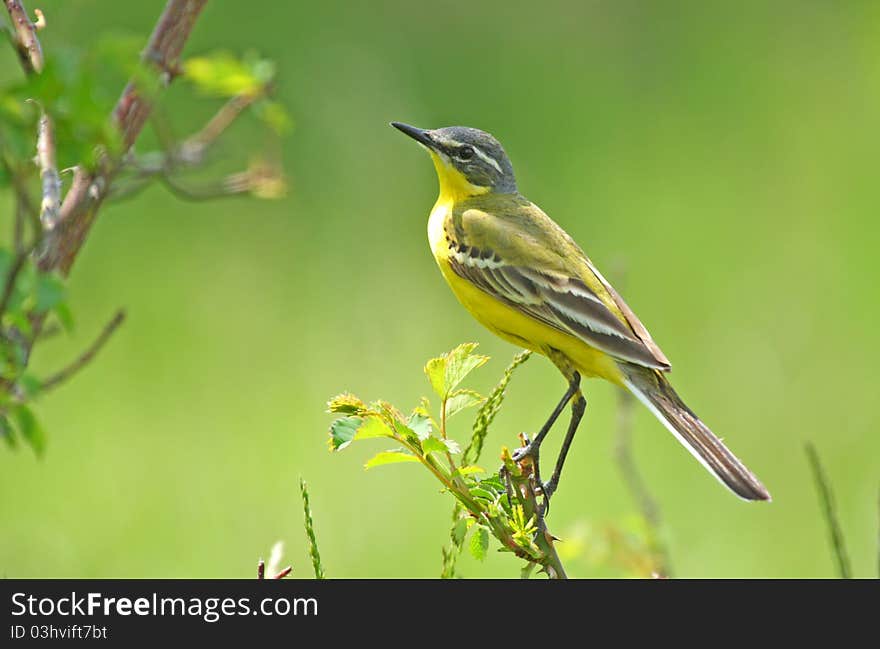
[465,153]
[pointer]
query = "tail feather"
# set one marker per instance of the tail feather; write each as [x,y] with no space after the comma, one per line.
[652,389]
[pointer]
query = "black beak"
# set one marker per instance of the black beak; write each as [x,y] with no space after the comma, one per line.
[418,134]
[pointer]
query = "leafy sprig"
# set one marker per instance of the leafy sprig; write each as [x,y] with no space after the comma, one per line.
[503,505]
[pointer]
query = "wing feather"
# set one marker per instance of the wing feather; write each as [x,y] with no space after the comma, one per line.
[565,303]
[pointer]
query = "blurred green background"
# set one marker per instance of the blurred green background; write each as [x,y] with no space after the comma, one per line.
[724,156]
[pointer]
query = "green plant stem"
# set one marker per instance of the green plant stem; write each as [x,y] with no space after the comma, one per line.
[452,467]
[638,487]
[310,533]
[830,509]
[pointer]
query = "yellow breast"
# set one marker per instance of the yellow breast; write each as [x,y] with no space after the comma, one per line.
[436,224]
[507,322]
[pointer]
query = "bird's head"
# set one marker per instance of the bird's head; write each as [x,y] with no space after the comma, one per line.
[469,162]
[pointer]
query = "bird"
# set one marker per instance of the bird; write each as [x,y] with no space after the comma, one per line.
[526,280]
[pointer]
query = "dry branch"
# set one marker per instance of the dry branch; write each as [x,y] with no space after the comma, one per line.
[49,178]
[86,357]
[89,188]
[25,37]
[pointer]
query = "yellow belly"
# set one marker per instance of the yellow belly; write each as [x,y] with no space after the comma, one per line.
[521,330]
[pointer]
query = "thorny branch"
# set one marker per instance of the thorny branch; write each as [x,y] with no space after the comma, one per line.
[525,490]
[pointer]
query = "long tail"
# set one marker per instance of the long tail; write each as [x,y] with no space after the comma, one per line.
[652,389]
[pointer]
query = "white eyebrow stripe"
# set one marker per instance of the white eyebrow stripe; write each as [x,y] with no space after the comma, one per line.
[487,158]
[449,142]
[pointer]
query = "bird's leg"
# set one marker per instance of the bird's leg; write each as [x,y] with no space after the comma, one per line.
[578,406]
[532,449]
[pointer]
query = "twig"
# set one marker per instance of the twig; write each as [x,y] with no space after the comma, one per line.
[224,189]
[283,573]
[194,146]
[636,485]
[27,210]
[50,332]
[26,42]
[261,571]
[471,455]
[89,188]
[190,152]
[14,271]
[524,485]
[310,531]
[49,177]
[830,508]
[56,379]
[18,231]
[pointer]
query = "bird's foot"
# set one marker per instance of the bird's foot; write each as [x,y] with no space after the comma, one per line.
[529,449]
[547,490]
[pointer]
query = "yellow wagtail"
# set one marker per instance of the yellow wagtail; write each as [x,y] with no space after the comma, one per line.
[527,281]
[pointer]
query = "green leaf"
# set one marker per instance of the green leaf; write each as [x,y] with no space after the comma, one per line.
[405,431]
[493,482]
[30,385]
[390,457]
[470,470]
[5,262]
[420,425]
[460,362]
[21,322]
[342,432]
[30,429]
[222,74]
[7,433]
[450,369]
[433,445]
[478,492]
[345,430]
[372,427]
[274,115]
[346,404]
[461,399]
[479,543]
[65,316]
[50,292]
[460,529]
[435,369]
